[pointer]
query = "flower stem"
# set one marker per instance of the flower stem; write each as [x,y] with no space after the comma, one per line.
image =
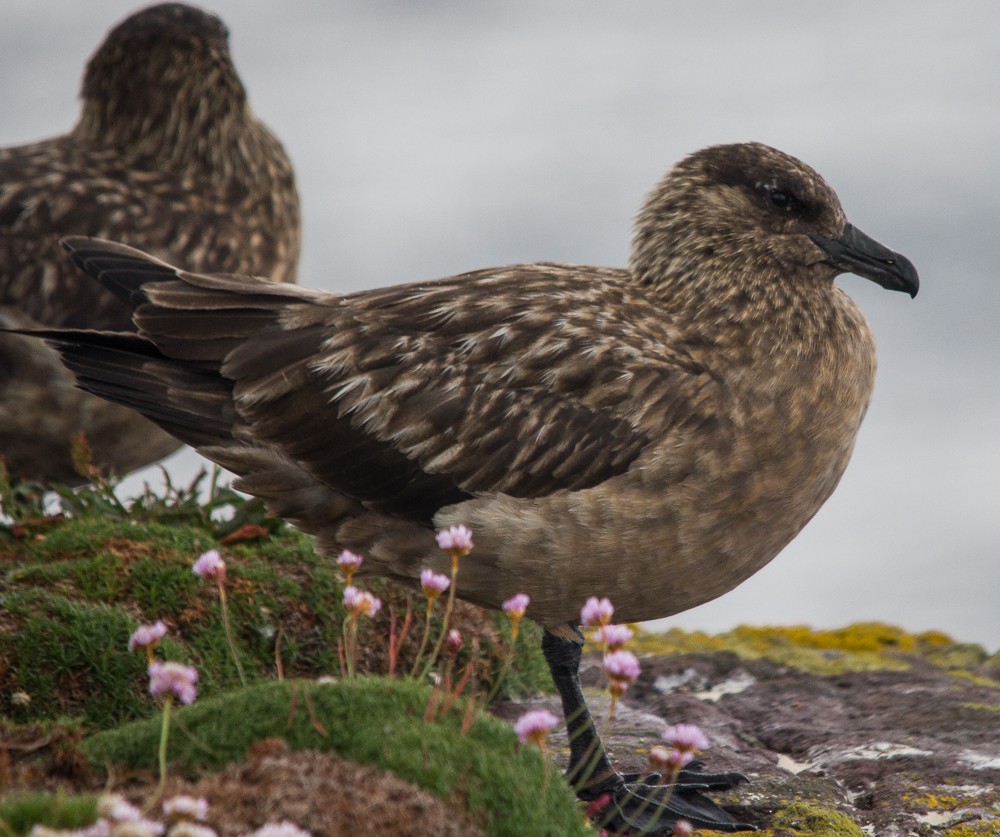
[423,639]
[162,753]
[455,554]
[508,660]
[229,632]
[350,643]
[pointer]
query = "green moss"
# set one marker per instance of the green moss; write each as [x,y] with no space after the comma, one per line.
[814,821]
[374,721]
[19,812]
[67,657]
[102,560]
[73,595]
[87,535]
[292,547]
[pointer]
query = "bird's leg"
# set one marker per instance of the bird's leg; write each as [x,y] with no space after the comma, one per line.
[590,770]
[635,805]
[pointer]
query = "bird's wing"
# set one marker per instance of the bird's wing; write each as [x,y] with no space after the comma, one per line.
[526,380]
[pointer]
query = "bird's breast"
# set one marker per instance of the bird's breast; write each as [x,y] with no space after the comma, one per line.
[705,505]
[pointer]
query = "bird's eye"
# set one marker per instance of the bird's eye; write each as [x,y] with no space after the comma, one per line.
[779,199]
[782,200]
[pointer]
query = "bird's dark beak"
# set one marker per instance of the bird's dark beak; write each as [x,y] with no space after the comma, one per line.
[854,252]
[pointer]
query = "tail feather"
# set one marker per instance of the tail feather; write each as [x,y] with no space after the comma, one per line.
[120,269]
[192,404]
[189,316]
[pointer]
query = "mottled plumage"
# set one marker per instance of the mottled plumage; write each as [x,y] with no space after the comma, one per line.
[166,156]
[655,434]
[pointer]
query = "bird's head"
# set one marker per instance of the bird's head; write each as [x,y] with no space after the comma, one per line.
[159,77]
[749,209]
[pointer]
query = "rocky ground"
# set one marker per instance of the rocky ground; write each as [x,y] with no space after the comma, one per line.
[901,737]
[909,749]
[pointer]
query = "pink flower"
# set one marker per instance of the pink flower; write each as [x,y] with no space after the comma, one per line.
[596,806]
[278,829]
[361,602]
[137,828]
[596,612]
[101,828]
[455,539]
[667,760]
[516,605]
[682,828]
[433,584]
[622,669]
[534,726]
[186,808]
[146,636]
[173,677]
[612,637]
[349,561]
[210,565]
[186,828]
[112,806]
[454,641]
[687,738]
[120,816]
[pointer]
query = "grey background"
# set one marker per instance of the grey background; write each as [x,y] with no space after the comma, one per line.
[436,137]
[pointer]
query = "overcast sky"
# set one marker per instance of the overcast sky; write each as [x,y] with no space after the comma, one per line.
[431,138]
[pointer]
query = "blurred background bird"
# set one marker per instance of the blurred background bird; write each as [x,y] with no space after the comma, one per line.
[167,156]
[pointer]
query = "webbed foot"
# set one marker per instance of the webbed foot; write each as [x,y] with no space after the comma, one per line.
[651,807]
[692,777]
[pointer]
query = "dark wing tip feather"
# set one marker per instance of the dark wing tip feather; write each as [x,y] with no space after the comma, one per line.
[190,402]
[120,269]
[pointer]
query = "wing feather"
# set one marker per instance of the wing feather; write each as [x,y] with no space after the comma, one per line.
[525,381]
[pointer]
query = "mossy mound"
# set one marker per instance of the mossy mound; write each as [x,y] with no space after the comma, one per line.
[19,812]
[73,592]
[375,721]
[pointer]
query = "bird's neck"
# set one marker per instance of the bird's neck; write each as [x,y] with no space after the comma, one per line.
[209,131]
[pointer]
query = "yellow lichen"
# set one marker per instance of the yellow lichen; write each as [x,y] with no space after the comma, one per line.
[934,801]
[814,821]
[977,679]
[866,646]
[980,829]
[819,652]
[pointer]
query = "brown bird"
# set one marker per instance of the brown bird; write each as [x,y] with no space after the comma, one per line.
[654,434]
[166,156]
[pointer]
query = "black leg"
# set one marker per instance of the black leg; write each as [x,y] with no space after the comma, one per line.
[590,770]
[635,806]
